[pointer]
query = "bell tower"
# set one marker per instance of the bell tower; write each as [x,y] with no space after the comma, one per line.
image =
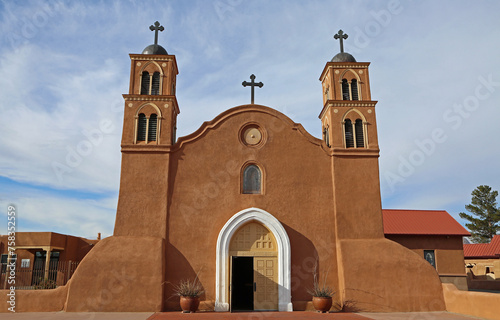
[348,115]
[151,106]
[149,132]
[350,132]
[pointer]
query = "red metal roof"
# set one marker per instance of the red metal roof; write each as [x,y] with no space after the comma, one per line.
[483,250]
[422,222]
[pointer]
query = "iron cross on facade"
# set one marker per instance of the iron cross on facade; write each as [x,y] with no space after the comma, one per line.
[341,35]
[156,27]
[253,84]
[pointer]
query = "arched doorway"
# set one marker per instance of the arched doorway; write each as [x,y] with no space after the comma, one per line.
[262,261]
[253,270]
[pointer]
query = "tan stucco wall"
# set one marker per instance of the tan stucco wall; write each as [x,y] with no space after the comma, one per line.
[119,274]
[206,193]
[383,276]
[477,304]
[35,300]
[142,204]
[479,268]
[478,279]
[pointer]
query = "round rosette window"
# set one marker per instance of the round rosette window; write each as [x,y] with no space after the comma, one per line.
[252,135]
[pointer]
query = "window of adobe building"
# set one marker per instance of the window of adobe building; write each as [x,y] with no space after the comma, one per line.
[252,180]
[430,256]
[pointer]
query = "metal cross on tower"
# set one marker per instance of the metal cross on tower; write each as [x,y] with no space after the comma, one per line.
[252,84]
[156,27]
[341,35]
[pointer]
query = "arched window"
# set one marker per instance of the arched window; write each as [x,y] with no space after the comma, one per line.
[354,89]
[141,127]
[145,83]
[360,141]
[150,84]
[326,136]
[153,124]
[345,90]
[349,138]
[252,180]
[155,88]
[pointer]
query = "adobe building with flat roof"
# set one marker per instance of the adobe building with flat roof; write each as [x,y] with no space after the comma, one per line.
[42,255]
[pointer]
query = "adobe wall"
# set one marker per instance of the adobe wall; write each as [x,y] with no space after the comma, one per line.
[119,274]
[479,267]
[206,182]
[35,300]
[476,304]
[357,196]
[383,276]
[142,202]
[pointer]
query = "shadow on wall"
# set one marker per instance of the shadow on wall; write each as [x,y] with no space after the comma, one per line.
[175,272]
[304,258]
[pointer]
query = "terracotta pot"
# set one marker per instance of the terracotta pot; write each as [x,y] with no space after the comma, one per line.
[189,304]
[322,304]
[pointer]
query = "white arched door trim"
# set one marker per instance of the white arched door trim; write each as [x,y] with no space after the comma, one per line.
[222,259]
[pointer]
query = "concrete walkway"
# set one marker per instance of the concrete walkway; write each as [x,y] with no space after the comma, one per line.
[231,316]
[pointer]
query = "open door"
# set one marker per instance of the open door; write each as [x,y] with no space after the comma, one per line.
[242,284]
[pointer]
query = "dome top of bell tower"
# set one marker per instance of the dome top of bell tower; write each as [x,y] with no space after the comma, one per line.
[155,48]
[342,56]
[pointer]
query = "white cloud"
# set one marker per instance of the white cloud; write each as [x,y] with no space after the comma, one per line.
[79,217]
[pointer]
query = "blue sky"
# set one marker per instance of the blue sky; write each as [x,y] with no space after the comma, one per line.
[435,70]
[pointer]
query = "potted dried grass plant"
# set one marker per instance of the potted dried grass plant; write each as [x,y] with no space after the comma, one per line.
[321,292]
[189,292]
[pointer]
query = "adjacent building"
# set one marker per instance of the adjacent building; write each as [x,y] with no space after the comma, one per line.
[483,264]
[43,255]
[435,236]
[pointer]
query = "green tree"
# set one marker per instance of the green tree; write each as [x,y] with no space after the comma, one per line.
[486,222]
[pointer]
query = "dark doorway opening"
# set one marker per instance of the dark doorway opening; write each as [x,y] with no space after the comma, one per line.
[242,284]
[39,266]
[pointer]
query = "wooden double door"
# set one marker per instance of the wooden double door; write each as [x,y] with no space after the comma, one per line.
[254,283]
[254,269]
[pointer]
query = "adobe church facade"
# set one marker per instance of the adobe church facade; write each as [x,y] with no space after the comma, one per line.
[251,202]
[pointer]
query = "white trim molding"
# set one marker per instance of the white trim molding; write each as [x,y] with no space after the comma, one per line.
[222,259]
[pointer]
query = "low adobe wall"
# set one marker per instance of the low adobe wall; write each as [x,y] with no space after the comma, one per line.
[383,276]
[477,304]
[35,300]
[120,273]
[484,284]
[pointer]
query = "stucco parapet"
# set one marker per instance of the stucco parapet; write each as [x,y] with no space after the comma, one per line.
[207,125]
[347,103]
